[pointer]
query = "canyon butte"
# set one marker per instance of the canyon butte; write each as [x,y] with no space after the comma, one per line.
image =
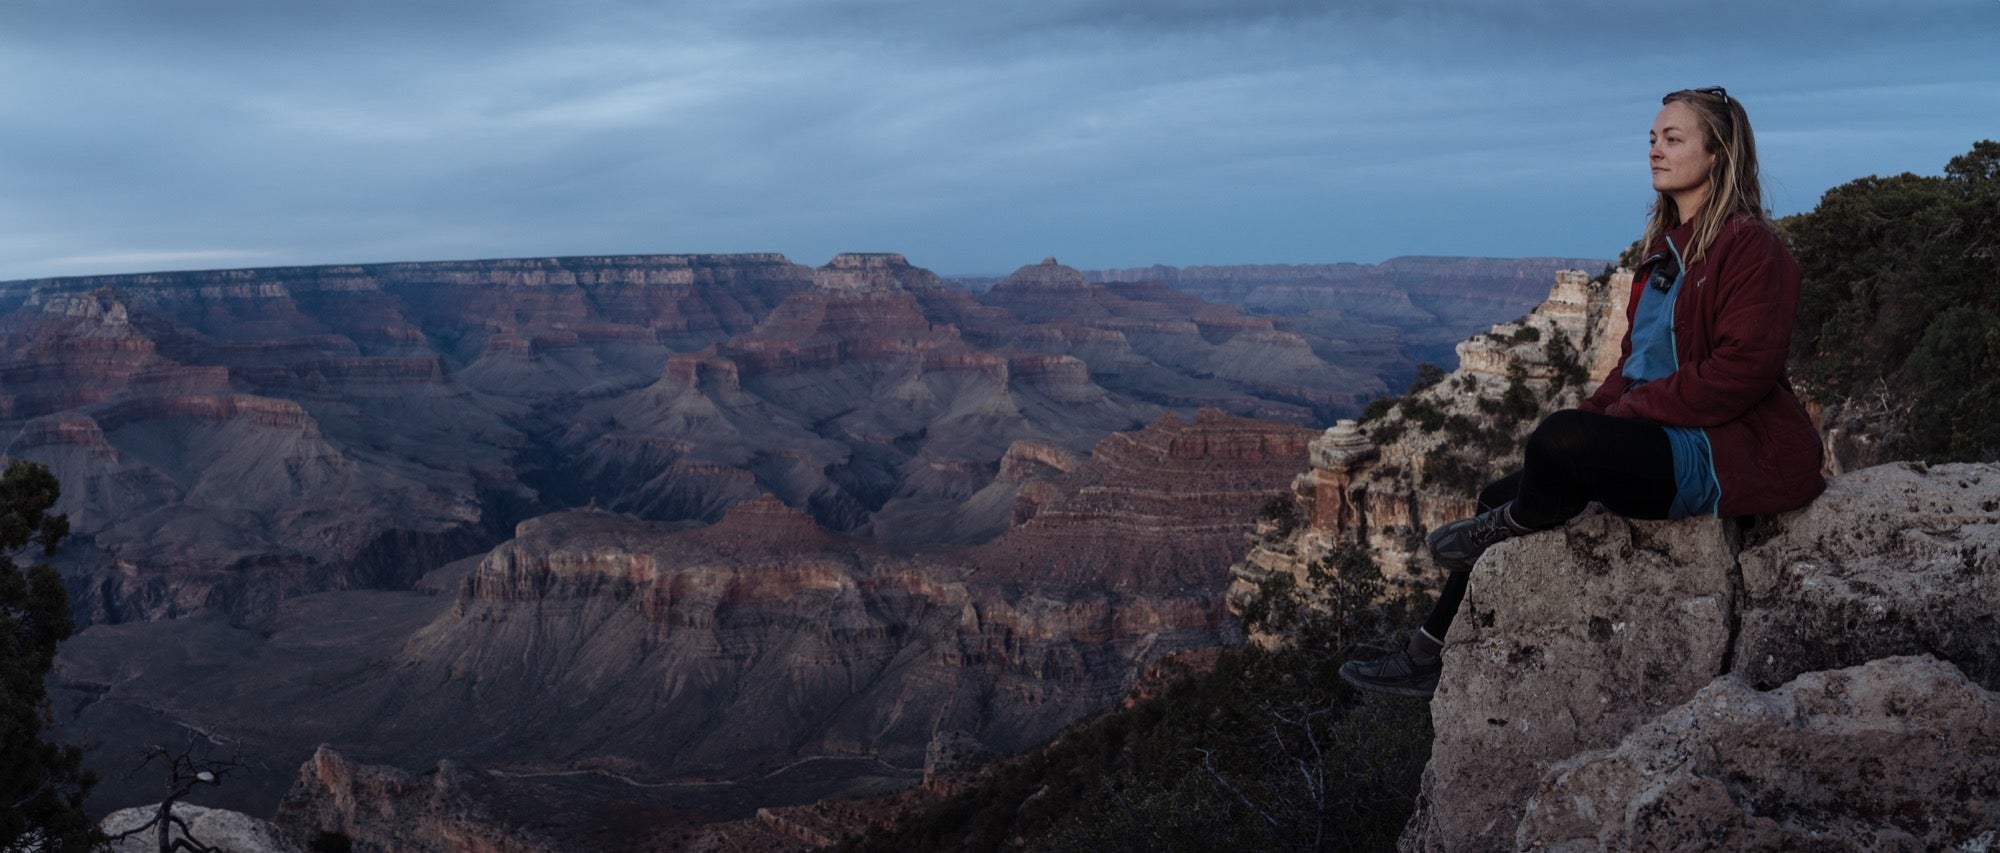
[682,534]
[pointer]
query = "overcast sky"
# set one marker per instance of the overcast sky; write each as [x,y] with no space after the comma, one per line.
[141,135]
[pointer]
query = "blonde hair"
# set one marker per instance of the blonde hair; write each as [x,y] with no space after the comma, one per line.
[1734,186]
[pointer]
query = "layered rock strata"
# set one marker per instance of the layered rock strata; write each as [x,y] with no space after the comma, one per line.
[231,438]
[1135,335]
[1377,291]
[1119,526]
[760,659]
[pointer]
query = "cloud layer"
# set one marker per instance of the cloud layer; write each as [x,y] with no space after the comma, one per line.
[141,135]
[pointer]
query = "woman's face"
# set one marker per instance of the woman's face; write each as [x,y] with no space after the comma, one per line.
[1680,157]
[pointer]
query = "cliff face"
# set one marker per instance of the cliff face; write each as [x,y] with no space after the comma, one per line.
[772,637]
[226,439]
[1137,336]
[1821,679]
[1151,511]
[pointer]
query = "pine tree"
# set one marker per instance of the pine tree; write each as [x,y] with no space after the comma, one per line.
[42,785]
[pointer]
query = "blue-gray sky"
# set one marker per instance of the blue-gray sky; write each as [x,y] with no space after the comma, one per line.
[141,135]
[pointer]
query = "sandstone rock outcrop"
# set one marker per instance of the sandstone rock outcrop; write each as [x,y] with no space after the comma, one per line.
[383,808]
[1383,484]
[1822,678]
[220,829]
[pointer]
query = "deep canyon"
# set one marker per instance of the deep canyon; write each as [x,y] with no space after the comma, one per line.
[688,534]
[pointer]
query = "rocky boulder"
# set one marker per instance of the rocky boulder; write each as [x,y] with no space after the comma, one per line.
[219,829]
[1819,678]
[1894,754]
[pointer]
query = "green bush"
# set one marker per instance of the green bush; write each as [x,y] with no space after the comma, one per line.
[1957,411]
[1283,514]
[330,841]
[1448,472]
[1563,354]
[1518,404]
[1420,413]
[1428,374]
[42,784]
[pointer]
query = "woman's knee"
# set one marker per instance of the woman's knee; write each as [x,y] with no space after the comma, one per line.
[1560,433]
[1500,491]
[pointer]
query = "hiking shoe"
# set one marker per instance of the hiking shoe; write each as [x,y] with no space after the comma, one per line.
[1395,674]
[1456,546]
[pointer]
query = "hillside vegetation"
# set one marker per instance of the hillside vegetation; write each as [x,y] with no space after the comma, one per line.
[1268,750]
[1899,318]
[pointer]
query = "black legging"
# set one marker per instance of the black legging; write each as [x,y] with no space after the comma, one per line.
[1572,458]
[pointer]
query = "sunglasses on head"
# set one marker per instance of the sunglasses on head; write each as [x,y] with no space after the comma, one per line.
[1712,91]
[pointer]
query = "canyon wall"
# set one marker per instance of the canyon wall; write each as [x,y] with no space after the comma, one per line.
[1387,317]
[760,658]
[228,439]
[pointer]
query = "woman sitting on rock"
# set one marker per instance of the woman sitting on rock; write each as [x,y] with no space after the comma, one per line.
[1697,418]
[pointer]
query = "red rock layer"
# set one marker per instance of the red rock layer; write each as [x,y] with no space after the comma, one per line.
[1154,509]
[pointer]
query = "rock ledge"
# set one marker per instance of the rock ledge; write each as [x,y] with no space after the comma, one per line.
[1821,679]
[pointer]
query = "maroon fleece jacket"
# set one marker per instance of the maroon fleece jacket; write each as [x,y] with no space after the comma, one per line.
[1732,333]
